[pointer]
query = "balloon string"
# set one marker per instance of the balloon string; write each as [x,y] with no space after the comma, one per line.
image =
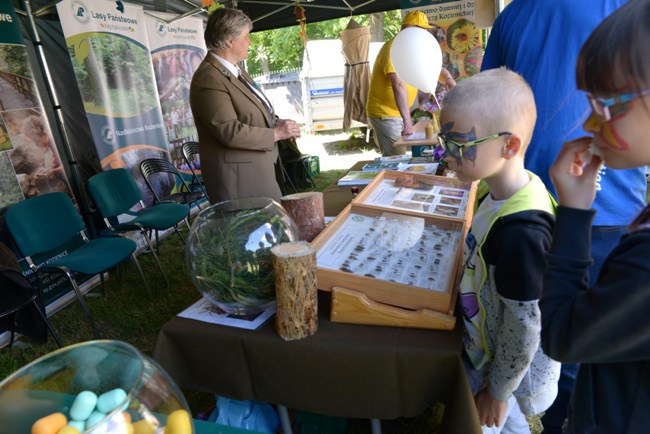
[433,94]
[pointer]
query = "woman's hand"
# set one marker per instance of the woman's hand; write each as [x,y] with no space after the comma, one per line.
[491,411]
[286,129]
[574,174]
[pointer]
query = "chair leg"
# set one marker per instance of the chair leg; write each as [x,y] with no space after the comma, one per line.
[144,280]
[287,178]
[179,234]
[101,283]
[13,328]
[187,219]
[305,163]
[155,255]
[47,325]
[83,304]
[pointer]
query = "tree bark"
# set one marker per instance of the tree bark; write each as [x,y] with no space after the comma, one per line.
[295,288]
[307,210]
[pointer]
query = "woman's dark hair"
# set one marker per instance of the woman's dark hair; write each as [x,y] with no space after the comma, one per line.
[616,58]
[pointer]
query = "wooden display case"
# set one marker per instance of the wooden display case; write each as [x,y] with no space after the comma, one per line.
[400,242]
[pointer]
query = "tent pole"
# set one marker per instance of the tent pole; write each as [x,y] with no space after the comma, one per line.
[500,5]
[72,162]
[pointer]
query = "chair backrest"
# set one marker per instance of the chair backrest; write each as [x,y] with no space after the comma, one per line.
[44,222]
[192,157]
[152,166]
[190,149]
[114,192]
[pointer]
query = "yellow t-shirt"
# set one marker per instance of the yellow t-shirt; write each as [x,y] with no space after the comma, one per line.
[381,99]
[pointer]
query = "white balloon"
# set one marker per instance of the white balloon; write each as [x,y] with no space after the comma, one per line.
[417,58]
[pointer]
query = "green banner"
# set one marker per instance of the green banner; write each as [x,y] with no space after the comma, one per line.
[9,29]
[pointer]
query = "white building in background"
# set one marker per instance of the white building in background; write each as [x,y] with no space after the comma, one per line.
[314,95]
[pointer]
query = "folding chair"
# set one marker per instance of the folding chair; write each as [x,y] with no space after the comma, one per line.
[300,163]
[153,169]
[49,222]
[115,193]
[192,159]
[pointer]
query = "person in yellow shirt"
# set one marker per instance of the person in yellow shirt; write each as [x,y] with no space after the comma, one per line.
[389,97]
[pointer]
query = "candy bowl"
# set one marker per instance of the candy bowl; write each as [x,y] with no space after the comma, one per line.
[98,387]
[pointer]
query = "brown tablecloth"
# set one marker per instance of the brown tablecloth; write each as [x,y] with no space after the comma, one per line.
[343,370]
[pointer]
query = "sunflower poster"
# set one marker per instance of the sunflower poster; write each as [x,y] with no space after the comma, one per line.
[109,49]
[460,38]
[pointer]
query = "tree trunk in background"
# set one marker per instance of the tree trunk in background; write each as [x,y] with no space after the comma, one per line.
[377,27]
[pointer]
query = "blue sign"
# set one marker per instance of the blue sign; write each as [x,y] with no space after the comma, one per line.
[326,92]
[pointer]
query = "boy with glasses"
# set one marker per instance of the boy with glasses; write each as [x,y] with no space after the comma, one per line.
[486,124]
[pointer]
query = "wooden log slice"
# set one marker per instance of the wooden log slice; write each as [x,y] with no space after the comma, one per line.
[307,210]
[295,289]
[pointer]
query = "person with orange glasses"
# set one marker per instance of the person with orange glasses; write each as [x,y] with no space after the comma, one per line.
[605,324]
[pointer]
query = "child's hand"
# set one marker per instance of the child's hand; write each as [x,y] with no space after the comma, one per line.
[574,174]
[491,411]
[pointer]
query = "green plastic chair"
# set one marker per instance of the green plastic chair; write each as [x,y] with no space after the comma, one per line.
[50,222]
[115,193]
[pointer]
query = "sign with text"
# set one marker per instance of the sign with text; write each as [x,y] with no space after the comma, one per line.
[481,12]
[30,163]
[110,53]
[177,50]
[460,39]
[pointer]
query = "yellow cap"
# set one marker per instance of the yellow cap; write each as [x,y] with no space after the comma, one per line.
[417,18]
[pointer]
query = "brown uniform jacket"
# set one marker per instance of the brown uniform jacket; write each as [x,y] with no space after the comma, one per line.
[236,140]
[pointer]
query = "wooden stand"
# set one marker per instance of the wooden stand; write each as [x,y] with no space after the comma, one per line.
[355,307]
[295,288]
[307,210]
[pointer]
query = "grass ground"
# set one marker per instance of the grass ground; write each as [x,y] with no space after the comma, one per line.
[125,311]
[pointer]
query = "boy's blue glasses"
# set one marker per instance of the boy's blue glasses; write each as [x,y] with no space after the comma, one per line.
[601,106]
[455,149]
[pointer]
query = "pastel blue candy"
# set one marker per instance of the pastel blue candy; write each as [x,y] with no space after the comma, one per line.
[79,424]
[110,400]
[94,418]
[83,405]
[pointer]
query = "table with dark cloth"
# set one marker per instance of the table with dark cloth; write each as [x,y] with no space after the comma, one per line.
[343,370]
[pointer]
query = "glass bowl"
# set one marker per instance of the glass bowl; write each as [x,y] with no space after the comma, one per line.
[128,392]
[228,252]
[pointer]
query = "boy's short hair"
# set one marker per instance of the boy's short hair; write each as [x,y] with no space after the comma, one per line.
[497,100]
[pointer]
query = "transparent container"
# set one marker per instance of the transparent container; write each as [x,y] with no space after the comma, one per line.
[135,393]
[228,252]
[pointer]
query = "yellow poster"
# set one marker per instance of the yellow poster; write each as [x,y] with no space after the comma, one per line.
[460,39]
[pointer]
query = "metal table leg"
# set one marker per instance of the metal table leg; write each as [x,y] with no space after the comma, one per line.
[375,425]
[285,423]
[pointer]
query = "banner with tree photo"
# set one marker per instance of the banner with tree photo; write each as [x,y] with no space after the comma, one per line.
[108,45]
[177,49]
[30,163]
